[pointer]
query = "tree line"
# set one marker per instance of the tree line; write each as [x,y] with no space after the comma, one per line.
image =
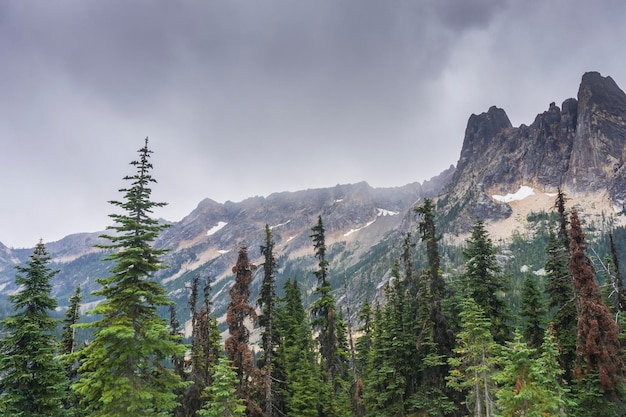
[433,344]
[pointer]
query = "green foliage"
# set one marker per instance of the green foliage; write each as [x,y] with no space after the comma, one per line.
[33,381]
[326,319]
[123,369]
[221,400]
[484,282]
[473,362]
[529,386]
[533,312]
[266,302]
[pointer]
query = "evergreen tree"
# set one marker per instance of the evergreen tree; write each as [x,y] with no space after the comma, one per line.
[528,386]
[436,336]
[72,315]
[326,320]
[559,286]
[124,370]
[221,398]
[32,381]
[363,346]
[298,378]
[237,344]
[392,360]
[484,281]
[533,312]
[67,348]
[597,344]
[204,353]
[472,365]
[266,302]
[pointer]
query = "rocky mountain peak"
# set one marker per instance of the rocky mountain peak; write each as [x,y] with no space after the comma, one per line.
[480,130]
[580,147]
[599,148]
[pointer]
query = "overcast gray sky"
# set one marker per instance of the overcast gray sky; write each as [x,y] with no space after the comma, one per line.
[246,97]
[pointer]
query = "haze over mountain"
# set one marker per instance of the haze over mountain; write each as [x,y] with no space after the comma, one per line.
[503,173]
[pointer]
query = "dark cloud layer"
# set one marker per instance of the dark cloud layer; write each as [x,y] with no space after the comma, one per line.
[244,98]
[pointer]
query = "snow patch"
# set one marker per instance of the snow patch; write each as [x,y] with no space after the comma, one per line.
[540,272]
[223,251]
[523,192]
[278,225]
[348,233]
[383,212]
[215,229]
[339,200]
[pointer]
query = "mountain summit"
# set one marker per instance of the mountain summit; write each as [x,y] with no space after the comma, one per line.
[579,147]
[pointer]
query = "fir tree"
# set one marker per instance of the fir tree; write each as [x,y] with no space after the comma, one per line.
[559,286]
[484,281]
[473,363]
[533,312]
[298,378]
[72,315]
[266,302]
[221,398]
[437,338]
[326,320]
[124,369]
[392,360]
[237,344]
[67,347]
[529,386]
[204,352]
[33,381]
[597,344]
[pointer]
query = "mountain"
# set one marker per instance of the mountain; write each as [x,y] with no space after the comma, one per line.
[503,175]
[579,147]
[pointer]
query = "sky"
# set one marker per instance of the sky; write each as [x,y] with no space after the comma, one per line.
[243,98]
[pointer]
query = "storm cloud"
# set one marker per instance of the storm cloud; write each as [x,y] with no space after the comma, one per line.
[243,98]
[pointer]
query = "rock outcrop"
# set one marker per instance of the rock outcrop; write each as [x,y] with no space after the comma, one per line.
[579,147]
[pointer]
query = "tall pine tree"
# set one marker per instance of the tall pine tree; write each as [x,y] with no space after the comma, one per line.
[124,369]
[32,381]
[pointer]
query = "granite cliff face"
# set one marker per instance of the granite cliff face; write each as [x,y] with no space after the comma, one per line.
[579,147]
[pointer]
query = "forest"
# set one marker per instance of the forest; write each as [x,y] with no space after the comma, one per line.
[469,341]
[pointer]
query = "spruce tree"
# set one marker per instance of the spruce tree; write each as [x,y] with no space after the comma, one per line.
[392,360]
[326,320]
[72,315]
[528,386]
[484,281]
[473,363]
[67,347]
[532,312]
[299,385]
[237,344]
[266,302]
[33,380]
[559,286]
[204,352]
[124,369]
[436,336]
[597,345]
[221,398]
